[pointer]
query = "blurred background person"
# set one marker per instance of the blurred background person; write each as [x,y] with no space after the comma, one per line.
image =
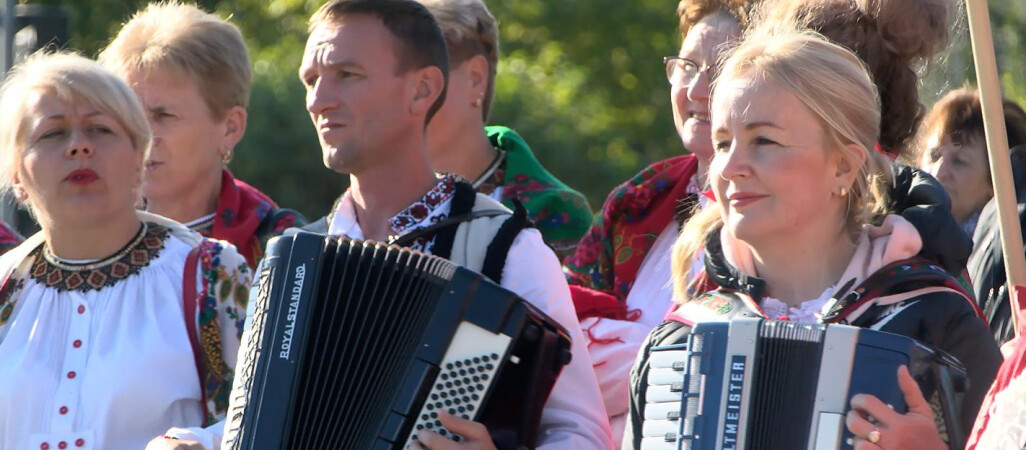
[620,271]
[191,71]
[954,150]
[495,160]
[102,319]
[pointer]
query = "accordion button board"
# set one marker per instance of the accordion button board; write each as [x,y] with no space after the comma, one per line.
[467,372]
[759,384]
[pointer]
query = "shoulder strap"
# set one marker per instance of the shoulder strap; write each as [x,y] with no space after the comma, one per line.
[896,278]
[407,239]
[462,210]
[266,227]
[189,294]
[462,203]
[498,250]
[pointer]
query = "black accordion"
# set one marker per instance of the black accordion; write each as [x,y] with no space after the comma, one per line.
[358,345]
[765,385]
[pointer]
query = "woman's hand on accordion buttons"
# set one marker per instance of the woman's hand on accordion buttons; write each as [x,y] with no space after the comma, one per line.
[475,436]
[169,443]
[877,426]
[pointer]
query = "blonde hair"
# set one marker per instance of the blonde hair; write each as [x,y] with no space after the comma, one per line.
[183,38]
[72,78]
[835,85]
[470,30]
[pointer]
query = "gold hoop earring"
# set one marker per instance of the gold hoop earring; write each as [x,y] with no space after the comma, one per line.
[226,157]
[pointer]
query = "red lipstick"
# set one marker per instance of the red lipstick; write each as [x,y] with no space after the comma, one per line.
[82,177]
[740,199]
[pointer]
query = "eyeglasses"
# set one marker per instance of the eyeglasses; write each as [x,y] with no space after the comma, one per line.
[682,71]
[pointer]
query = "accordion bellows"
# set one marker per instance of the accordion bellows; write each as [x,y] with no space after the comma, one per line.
[358,345]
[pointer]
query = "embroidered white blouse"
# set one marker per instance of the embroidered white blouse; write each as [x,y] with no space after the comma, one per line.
[573,417]
[94,362]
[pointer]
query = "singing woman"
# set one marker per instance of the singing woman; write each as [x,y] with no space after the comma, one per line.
[798,220]
[116,325]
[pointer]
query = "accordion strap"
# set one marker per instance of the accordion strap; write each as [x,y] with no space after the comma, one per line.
[495,258]
[190,304]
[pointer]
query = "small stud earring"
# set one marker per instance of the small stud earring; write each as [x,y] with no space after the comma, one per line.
[844,192]
[19,193]
[477,102]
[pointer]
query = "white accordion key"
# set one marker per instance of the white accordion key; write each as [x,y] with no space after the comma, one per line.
[660,428]
[658,443]
[662,411]
[465,374]
[671,359]
[664,393]
[664,376]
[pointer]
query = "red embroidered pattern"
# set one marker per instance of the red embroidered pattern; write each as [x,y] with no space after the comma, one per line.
[95,276]
[422,208]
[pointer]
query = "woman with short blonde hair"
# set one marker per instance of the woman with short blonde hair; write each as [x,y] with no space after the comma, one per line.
[116,325]
[191,70]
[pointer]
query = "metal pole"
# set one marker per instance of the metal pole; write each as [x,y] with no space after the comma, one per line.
[997,146]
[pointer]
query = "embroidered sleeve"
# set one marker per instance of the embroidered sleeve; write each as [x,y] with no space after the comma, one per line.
[13,275]
[8,300]
[225,290]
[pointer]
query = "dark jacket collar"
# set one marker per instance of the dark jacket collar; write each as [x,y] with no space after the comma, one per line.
[723,274]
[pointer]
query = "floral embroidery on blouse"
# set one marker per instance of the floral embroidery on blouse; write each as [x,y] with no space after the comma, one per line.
[49,271]
[6,294]
[223,293]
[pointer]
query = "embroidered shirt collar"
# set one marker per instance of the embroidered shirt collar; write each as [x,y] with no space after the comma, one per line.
[49,270]
[429,209]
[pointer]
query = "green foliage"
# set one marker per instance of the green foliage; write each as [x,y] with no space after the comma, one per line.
[582,80]
[955,69]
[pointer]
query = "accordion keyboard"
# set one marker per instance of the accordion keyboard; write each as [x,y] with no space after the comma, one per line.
[467,371]
[674,386]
